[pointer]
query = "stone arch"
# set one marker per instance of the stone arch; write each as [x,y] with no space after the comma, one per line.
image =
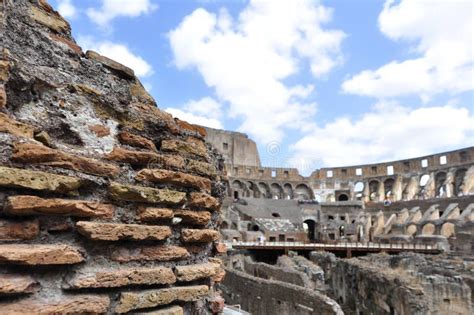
[310,229]
[373,189]
[343,197]
[303,192]
[224,225]
[447,229]
[459,180]
[265,190]
[238,189]
[277,191]
[288,191]
[428,229]
[388,187]
[253,189]
[440,184]
[411,230]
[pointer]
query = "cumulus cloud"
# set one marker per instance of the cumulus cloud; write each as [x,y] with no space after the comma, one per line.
[118,52]
[67,9]
[388,132]
[206,112]
[441,38]
[246,60]
[111,9]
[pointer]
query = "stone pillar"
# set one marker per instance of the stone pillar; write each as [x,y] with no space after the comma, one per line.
[412,188]
[467,186]
[397,188]
[449,184]
[381,191]
[366,192]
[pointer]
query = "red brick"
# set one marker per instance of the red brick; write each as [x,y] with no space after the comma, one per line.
[118,231]
[136,141]
[22,254]
[18,230]
[77,304]
[201,200]
[157,253]
[177,178]
[199,236]
[31,205]
[145,158]
[15,284]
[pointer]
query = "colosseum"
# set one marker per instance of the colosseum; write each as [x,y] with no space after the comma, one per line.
[109,205]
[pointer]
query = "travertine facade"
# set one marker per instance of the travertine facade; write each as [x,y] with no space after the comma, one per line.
[108,205]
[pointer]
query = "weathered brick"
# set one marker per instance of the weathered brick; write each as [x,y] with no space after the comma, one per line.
[190,127]
[118,231]
[77,304]
[99,130]
[37,153]
[146,194]
[221,248]
[144,299]
[199,236]
[14,127]
[193,217]
[136,141]
[157,253]
[150,214]
[177,178]
[67,43]
[201,200]
[16,284]
[217,304]
[44,138]
[36,180]
[145,158]
[18,230]
[4,70]
[111,64]
[201,168]
[122,277]
[3,96]
[219,276]
[190,147]
[54,22]
[23,254]
[170,310]
[195,272]
[32,205]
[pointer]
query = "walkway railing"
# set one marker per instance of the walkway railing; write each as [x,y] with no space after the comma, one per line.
[369,246]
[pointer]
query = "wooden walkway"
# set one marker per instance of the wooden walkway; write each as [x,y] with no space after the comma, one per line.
[347,247]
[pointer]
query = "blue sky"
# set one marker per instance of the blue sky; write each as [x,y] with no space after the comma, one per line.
[314,83]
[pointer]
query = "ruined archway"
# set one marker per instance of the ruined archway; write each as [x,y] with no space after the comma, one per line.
[459,180]
[265,190]
[447,229]
[343,197]
[303,192]
[373,189]
[428,229]
[440,185]
[388,187]
[310,229]
[288,191]
[277,191]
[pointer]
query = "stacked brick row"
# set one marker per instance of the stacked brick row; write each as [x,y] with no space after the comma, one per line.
[108,205]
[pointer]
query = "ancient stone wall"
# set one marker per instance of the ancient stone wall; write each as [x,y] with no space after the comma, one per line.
[108,205]
[403,284]
[269,297]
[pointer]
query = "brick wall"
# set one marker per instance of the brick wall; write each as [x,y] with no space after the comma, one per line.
[108,205]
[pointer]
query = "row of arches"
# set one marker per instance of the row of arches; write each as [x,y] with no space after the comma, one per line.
[440,184]
[251,189]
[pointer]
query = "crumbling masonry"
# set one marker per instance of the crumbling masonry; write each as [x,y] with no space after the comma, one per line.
[108,205]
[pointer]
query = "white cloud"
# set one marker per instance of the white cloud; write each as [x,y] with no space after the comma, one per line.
[247,59]
[111,9]
[118,52]
[206,112]
[67,9]
[441,34]
[388,132]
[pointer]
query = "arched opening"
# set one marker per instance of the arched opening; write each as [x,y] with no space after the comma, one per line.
[303,192]
[341,230]
[275,215]
[330,217]
[277,191]
[224,225]
[388,186]
[238,189]
[288,191]
[428,229]
[440,180]
[255,228]
[265,190]
[343,197]
[447,229]
[458,181]
[373,189]
[310,226]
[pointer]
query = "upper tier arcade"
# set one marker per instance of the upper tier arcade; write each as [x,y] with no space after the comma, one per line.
[441,175]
